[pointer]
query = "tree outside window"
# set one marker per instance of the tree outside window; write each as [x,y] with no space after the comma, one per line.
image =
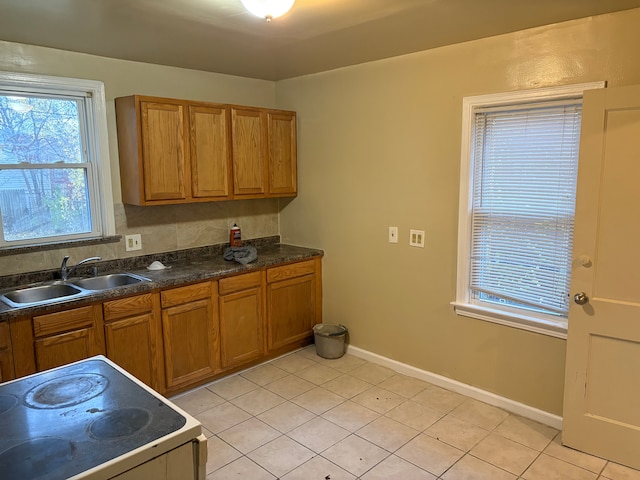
[44,172]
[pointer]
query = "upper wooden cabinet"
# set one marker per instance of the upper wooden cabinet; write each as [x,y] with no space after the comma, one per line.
[264,153]
[163,151]
[172,151]
[178,151]
[283,174]
[248,130]
[209,152]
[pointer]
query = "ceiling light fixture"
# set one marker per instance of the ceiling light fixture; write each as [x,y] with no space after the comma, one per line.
[268,9]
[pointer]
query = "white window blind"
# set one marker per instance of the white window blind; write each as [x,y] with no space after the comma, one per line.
[525,163]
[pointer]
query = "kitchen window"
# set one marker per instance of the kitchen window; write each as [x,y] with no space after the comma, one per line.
[54,161]
[517,199]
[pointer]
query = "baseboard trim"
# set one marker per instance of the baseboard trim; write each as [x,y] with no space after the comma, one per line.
[512,406]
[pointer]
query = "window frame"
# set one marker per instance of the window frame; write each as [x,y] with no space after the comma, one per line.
[96,140]
[463,305]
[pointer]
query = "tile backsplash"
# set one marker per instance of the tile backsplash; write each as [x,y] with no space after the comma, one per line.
[163,228]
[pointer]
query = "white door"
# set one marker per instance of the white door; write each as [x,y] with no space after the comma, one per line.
[602,383]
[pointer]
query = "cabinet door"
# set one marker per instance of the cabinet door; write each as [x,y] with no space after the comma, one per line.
[66,348]
[209,152]
[6,354]
[68,336]
[293,303]
[133,335]
[241,318]
[163,151]
[241,327]
[248,134]
[190,336]
[282,153]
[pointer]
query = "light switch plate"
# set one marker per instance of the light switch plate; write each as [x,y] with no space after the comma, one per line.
[416,238]
[393,234]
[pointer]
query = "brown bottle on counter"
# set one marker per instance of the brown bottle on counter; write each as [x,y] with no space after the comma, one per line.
[235,239]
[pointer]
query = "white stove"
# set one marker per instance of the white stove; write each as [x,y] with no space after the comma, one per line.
[93,420]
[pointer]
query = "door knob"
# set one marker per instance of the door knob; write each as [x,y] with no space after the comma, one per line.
[580,298]
[584,260]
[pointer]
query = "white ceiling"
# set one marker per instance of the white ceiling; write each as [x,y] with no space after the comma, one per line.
[316,35]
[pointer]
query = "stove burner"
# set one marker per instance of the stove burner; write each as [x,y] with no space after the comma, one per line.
[66,391]
[36,458]
[7,402]
[120,423]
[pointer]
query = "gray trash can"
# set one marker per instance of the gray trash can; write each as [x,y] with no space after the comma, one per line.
[329,340]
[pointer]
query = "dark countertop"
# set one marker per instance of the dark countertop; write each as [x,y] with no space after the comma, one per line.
[187,267]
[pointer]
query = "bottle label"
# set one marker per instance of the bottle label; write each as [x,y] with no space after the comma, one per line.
[235,237]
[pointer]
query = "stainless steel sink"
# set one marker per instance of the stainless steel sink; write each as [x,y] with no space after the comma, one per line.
[106,282]
[59,290]
[40,294]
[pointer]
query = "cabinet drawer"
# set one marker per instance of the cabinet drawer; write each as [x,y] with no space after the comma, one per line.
[293,270]
[5,337]
[190,293]
[59,322]
[128,307]
[239,282]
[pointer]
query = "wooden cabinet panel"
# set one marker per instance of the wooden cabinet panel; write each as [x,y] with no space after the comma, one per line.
[285,272]
[180,151]
[67,347]
[73,319]
[22,344]
[291,310]
[249,152]
[181,295]
[68,336]
[133,335]
[241,324]
[129,306]
[7,371]
[190,337]
[282,153]
[239,282]
[209,152]
[163,152]
[294,303]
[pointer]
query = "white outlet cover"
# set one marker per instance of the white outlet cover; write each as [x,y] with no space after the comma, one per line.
[416,238]
[133,242]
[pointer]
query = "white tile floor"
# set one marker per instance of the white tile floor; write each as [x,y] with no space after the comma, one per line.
[302,417]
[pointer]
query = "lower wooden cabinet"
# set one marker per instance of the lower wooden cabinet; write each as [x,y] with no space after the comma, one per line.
[294,303]
[190,334]
[133,336]
[174,339]
[7,371]
[68,336]
[241,319]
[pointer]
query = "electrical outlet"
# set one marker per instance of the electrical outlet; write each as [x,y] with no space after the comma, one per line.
[133,242]
[393,234]
[416,238]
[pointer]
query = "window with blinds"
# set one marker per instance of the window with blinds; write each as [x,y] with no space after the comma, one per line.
[518,176]
[525,163]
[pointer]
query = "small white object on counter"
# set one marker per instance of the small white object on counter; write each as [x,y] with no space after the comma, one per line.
[157,266]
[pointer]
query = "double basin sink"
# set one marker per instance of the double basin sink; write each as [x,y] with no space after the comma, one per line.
[67,290]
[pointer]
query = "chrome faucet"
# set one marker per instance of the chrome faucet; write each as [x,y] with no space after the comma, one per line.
[65,271]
